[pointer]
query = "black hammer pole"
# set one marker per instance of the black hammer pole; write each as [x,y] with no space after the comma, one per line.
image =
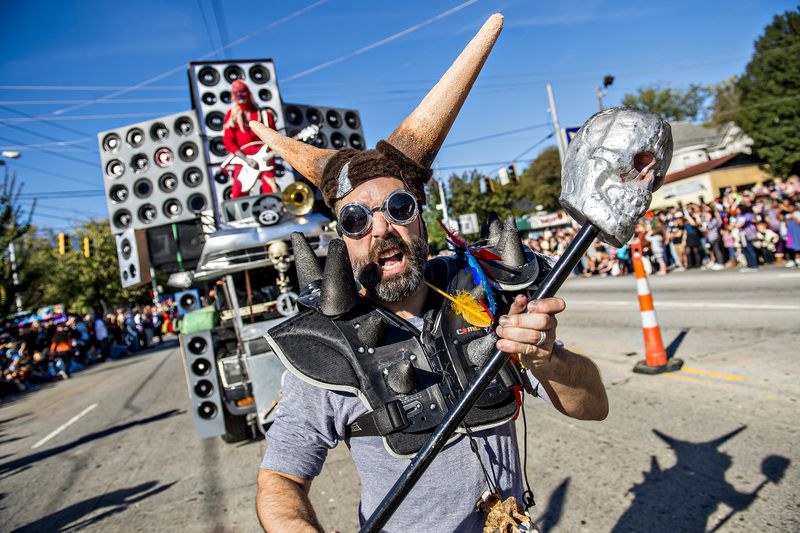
[561,270]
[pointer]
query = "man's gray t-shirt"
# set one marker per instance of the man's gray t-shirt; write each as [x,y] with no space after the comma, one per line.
[312,420]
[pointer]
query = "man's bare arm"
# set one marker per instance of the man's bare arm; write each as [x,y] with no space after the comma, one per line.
[282,503]
[573,384]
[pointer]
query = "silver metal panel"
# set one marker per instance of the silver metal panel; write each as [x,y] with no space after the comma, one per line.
[200,366]
[167,162]
[266,374]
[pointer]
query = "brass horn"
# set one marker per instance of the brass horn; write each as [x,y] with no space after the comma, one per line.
[298,198]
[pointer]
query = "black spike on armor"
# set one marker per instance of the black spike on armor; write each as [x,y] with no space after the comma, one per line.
[495,231]
[372,331]
[339,294]
[401,377]
[305,261]
[510,246]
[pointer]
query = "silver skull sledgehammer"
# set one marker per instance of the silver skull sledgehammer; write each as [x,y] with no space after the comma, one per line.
[613,164]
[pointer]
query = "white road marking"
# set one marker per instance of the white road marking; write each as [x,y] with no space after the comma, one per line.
[682,305]
[64,426]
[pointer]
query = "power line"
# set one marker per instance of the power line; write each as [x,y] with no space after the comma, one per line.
[51,118]
[58,154]
[493,135]
[62,194]
[222,29]
[55,174]
[381,42]
[175,70]
[537,143]
[205,22]
[59,126]
[116,101]
[88,88]
[38,146]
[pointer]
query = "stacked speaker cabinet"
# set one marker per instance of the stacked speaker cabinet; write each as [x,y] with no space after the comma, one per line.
[154,172]
[204,385]
[211,95]
[339,128]
[134,265]
[187,301]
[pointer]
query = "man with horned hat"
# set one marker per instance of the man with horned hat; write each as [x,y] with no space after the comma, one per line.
[377,364]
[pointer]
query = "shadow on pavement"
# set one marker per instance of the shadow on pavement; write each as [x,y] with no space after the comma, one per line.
[682,498]
[555,507]
[24,462]
[672,349]
[71,518]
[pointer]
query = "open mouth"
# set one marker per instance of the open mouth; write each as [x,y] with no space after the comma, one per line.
[391,260]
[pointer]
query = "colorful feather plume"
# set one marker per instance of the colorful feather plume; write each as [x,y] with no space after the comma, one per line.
[474,257]
[468,307]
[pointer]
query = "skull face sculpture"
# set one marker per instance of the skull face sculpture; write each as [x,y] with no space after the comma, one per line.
[612,166]
[278,253]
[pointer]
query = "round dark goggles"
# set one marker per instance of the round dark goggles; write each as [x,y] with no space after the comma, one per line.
[399,208]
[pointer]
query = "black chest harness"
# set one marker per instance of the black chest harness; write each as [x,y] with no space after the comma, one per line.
[407,379]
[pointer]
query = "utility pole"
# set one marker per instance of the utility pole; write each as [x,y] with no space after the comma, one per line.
[554,113]
[12,256]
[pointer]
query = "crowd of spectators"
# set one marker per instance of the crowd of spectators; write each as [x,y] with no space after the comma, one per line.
[37,351]
[743,229]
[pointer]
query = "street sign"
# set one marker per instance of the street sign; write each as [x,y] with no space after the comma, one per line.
[468,224]
[569,133]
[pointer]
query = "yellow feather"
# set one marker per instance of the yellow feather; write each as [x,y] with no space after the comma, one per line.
[468,307]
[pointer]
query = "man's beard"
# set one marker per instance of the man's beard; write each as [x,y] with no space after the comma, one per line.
[396,287]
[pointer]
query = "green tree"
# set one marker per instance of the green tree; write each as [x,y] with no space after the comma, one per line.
[541,181]
[770,95]
[724,104]
[670,103]
[466,197]
[13,227]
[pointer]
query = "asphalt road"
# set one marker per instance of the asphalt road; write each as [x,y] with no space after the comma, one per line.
[712,447]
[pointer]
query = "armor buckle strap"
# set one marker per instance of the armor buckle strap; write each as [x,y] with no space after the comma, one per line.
[388,419]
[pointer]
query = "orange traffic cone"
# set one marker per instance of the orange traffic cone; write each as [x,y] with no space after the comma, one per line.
[656,360]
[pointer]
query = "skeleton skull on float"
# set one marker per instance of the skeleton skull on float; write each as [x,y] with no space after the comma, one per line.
[612,166]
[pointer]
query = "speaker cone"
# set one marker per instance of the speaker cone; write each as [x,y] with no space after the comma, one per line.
[221,177]
[168,182]
[209,98]
[233,73]
[187,300]
[338,140]
[215,120]
[196,203]
[226,194]
[201,366]
[259,74]
[198,345]
[225,96]
[118,193]
[208,76]
[135,137]
[132,270]
[139,163]
[351,119]
[188,151]
[265,95]
[320,141]
[159,131]
[125,249]
[207,410]
[334,118]
[164,157]
[314,116]
[356,141]
[147,213]
[217,147]
[192,177]
[172,208]
[184,126]
[111,142]
[115,168]
[142,188]
[204,388]
[293,115]
[122,218]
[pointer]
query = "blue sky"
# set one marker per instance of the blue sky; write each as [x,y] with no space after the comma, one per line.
[69,54]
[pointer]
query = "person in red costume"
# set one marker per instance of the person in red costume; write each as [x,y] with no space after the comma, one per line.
[240,140]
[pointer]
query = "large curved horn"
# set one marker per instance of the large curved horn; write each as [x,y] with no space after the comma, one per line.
[308,160]
[422,133]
